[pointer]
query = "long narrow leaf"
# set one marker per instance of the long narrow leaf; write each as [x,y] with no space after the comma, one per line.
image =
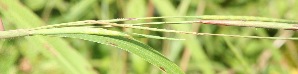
[133,46]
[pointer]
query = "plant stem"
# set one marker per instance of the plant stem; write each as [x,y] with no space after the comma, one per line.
[14,33]
[1,25]
[65,30]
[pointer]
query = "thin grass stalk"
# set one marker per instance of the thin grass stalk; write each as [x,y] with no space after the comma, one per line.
[23,33]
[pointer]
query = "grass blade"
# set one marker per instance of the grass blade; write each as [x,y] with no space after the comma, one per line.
[132,46]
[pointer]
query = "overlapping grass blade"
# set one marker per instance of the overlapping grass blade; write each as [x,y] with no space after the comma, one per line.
[132,46]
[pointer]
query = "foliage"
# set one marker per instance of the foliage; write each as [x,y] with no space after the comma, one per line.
[23,50]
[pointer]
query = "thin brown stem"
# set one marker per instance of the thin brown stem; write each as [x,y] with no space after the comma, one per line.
[185,59]
[1,25]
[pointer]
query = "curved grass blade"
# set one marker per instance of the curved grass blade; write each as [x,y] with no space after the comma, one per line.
[132,46]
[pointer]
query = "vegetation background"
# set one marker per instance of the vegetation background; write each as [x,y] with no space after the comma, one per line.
[195,55]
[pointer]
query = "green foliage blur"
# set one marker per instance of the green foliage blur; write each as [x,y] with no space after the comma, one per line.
[195,55]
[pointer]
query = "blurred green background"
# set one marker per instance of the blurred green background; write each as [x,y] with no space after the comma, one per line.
[195,55]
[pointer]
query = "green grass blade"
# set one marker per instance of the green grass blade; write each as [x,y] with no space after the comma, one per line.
[132,46]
